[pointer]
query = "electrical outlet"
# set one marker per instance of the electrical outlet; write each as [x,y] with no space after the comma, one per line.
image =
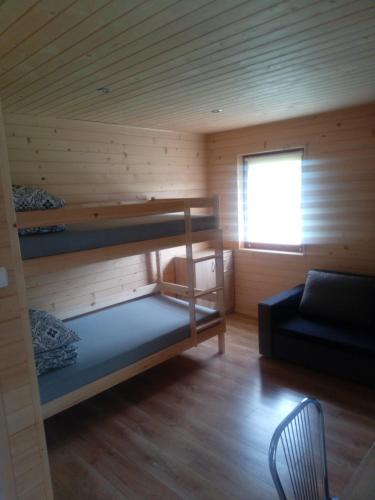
[3,277]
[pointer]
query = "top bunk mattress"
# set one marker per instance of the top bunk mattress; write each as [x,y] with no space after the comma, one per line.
[78,237]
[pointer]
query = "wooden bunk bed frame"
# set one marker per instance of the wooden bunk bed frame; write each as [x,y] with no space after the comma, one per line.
[198,333]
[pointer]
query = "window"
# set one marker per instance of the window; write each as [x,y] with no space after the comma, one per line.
[272,201]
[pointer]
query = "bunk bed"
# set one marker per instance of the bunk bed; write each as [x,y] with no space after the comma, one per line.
[162,320]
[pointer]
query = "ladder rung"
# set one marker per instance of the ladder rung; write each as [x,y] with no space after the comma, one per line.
[184,291]
[208,324]
[203,259]
[201,293]
[181,290]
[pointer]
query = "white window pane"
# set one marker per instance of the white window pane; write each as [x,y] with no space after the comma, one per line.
[274,199]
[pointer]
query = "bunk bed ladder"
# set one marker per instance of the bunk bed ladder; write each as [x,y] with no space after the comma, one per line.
[219,274]
[189,291]
[218,290]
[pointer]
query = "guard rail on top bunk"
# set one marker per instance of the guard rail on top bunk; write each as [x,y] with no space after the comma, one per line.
[87,214]
[199,331]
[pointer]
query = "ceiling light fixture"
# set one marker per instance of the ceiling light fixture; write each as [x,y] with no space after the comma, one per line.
[104,90]
[216,111]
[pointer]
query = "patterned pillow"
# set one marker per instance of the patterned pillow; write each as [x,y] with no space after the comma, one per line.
[28,198]
[48,332]
[34,198]
[57,358]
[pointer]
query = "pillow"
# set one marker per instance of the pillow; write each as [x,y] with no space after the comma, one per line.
[40,230]
[339,297]
[48,332]
[28,198]
[34,198]
[56,358]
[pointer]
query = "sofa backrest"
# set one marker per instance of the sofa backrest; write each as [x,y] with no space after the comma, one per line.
[339,297]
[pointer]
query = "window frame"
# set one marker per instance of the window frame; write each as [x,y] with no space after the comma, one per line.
[270,247]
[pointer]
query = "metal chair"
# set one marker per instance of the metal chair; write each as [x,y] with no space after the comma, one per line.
[297,454]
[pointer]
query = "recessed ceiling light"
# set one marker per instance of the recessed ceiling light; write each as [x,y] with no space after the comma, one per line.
[104,90]
[216,111]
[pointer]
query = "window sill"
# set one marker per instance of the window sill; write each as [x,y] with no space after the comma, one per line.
[262,250]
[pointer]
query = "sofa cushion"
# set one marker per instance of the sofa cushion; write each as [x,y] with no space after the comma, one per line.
[345,298]
[350,337]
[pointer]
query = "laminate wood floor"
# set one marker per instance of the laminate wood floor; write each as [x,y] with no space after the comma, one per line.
[199,426]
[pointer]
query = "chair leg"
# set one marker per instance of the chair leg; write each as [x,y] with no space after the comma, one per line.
[221,342]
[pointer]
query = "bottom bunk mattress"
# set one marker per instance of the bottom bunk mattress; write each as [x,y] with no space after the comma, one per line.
[118,336]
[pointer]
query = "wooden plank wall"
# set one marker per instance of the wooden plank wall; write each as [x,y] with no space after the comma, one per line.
[338,198]
[24,470]
[92,162]
[170,63]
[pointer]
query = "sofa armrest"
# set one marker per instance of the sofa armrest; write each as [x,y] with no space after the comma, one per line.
[270,310]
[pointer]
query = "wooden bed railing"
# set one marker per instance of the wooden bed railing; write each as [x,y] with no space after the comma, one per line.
[82,214]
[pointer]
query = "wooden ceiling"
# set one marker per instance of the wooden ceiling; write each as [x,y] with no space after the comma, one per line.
[169,63]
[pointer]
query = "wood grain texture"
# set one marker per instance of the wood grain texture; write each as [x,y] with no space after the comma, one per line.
[24,465]
[362,484]
[204,432]
[170,63]
[97,163]
[338,201]
[92,162]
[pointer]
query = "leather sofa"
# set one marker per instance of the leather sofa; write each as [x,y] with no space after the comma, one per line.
[327,324]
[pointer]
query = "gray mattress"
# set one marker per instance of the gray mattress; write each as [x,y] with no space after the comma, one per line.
[117,336]
[78,237]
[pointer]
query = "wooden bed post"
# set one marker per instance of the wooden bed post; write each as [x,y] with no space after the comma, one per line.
[159,275]
[23,456]
[219,274]
[190,273]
